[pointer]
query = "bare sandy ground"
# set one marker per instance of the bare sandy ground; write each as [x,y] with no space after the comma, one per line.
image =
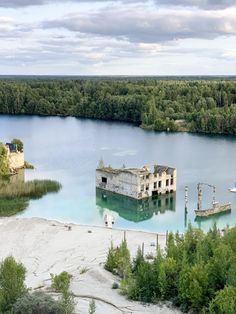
[46,247]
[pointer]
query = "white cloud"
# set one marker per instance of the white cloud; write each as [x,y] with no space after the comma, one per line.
[147,25]
[129,37]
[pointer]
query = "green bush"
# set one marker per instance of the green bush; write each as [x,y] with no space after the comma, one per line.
[61,282]
[224,301]
[111,262]
[12,276]
[118,260]
[37,303]
[4,163]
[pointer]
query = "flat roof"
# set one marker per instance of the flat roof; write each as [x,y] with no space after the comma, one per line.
[137,171]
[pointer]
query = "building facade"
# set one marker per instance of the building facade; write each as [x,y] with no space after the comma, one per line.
[137,183]
[16,159]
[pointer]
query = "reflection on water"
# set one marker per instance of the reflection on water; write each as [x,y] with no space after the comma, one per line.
[132,209]
[68,150]
[15,193]
[200,221]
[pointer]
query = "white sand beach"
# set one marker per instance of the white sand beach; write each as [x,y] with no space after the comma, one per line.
[46,247]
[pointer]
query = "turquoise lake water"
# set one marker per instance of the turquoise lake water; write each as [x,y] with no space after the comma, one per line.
[69,149]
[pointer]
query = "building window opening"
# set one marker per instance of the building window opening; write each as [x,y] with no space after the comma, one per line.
[171,181]
[167,182]
[154,193]
[104,180]
[155,185]
[147,187]
[159,184]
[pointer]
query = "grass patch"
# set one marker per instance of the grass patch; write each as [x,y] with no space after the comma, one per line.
[15,196]
[10,207]
[83,270]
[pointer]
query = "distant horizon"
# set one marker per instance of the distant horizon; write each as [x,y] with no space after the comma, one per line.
[118,75]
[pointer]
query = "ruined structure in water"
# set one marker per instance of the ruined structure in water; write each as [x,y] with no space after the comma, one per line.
[137,183]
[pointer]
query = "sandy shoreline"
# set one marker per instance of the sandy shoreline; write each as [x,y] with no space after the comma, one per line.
[46,247]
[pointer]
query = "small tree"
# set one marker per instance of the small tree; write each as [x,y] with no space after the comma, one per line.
[19,143]
[4,163]
[111,262]
[12,277]
[92,307]
[61,283]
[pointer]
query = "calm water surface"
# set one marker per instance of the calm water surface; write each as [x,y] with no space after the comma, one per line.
[68,150]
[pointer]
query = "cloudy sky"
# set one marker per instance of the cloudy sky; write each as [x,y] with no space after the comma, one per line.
[118,37]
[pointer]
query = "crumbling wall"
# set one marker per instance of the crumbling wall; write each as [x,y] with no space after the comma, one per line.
[122,183]
[16,160]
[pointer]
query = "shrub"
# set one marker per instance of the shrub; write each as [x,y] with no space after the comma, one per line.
[12,276]
[83,270]
[92,307]
[37,302]
[4,163]
[111,262]
[61,282]
[224,301]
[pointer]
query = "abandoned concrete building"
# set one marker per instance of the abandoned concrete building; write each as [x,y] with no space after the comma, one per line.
[16,159]
[137,183]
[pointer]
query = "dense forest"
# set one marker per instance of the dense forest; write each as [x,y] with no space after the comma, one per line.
[196,272]
[207,106]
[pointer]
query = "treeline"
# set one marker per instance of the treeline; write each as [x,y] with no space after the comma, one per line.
[207,106]
[196,272]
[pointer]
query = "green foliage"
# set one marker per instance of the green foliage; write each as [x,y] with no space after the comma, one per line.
[224,301]
[37,302]
[10,207]
[4,164]
[111,262]
[83,270]
[19,143]
[15,195]
[67,302]
[201,105]
[61,282]
[196,272]
[16,299]
[92,307]
[118,260]
[12,276]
